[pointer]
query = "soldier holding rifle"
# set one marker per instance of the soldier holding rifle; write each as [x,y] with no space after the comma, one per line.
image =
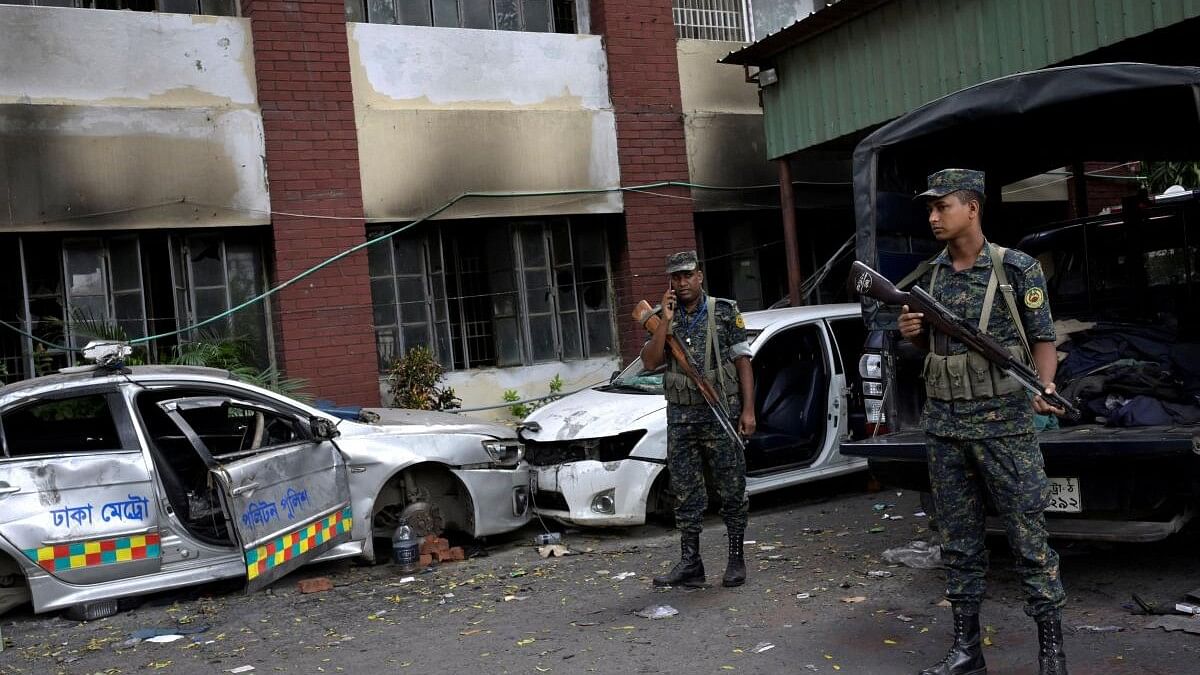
[979,421]
[713,339]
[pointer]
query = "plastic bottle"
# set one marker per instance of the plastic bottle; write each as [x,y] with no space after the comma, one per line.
[548,538]
[406,549]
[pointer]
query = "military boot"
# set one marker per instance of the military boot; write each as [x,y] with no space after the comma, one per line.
[1052,660]
[966,654]
[689,571]
[735,571]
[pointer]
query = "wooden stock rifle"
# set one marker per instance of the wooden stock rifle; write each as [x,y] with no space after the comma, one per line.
[872,284]
[644,315]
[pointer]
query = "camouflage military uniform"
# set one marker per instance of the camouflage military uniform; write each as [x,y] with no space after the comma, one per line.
[988,446]
[694,438]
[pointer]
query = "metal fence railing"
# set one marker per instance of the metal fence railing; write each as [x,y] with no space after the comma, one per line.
[722,20]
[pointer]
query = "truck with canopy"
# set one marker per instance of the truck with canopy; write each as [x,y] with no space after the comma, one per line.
[1123,285]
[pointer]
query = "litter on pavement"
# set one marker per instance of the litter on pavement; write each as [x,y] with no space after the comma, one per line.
[917,554]
[657,612]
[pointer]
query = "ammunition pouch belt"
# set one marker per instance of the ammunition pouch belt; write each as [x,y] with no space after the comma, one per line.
[681,390]
[968,376]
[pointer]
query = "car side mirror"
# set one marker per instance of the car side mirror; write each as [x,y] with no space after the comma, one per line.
[323,429]
[613,378]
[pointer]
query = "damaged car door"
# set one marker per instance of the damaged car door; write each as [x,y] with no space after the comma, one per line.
[283,483]
[76,497]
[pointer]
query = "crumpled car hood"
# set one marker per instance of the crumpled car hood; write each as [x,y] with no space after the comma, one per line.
[592,414]
[399,420]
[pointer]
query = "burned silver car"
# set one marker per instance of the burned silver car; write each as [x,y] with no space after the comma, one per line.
[117,484]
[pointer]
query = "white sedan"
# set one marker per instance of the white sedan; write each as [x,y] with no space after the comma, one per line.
[600,455]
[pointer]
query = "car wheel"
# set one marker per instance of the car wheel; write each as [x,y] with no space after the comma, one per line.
[660,504]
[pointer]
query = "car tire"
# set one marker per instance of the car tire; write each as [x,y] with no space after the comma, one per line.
[660,504]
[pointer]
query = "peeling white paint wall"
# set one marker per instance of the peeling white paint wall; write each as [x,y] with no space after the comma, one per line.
[486,386]
[441,111]
[723,127]
[110,110]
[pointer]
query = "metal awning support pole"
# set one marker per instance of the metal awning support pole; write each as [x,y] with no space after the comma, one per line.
[1081,191]
[787,205]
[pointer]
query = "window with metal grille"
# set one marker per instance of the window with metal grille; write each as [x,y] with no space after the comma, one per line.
[722,20]
[211,7]
[510,294]
[543,16]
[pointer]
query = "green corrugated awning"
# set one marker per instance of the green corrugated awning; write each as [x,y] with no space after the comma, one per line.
[840,75]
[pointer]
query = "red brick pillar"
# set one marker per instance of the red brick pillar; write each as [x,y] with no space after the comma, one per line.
[643,80]
[302,64]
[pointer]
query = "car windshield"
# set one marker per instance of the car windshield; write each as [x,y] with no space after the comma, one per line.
[636,379]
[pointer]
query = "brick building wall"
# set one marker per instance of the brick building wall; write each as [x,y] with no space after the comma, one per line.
[324,322]
[1105,192]
[643,71]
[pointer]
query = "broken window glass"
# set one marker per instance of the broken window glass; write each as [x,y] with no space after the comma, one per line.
[507,15]
[494,294]
[397,11]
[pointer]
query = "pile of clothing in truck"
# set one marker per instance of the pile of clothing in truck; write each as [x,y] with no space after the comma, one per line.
[1129,375]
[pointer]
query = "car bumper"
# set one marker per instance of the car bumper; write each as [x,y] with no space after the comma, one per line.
[566,492]
[501,498]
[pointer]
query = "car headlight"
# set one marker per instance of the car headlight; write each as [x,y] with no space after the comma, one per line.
[506,453]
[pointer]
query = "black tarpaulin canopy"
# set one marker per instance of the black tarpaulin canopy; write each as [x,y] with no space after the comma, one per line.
[1017,126]
[1014,127]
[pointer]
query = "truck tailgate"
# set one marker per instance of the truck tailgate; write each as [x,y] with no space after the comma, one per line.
[1088,441]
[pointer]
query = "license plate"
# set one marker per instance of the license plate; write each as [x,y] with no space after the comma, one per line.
[1065,496]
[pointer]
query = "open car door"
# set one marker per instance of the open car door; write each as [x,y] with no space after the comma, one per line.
[284,485]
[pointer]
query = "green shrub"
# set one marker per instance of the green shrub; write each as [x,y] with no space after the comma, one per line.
[413,382]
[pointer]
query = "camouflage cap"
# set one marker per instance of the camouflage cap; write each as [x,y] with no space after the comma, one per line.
[942,183]
[683,261]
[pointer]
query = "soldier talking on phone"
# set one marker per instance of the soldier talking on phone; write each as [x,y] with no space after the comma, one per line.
[713,334]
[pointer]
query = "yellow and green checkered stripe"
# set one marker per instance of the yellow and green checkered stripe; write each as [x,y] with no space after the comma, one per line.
[95,552]
[283,548]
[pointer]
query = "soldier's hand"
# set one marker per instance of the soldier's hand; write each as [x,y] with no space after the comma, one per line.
[912,324]
[668,305]
[747,424]
[1042,408]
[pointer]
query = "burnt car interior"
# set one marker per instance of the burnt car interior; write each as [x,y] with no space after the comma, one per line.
[229,432]
[791,386]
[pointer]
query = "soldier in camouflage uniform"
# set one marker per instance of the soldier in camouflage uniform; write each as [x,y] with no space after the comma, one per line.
[979,421]
[712,332]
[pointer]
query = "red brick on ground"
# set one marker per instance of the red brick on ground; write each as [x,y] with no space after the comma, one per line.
[315,585]
[457,553]
[426,560]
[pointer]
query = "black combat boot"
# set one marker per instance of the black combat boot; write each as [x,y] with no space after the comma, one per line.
[735,571]
[689,571]
[1052,660]
[966,654]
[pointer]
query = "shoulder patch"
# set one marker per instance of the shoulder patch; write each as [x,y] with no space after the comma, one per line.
[1035,298]
[739,321]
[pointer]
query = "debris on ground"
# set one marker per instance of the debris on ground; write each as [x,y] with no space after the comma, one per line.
[916,554]
[657,612]
[879,574]
[762,647]
[1187,608]
[554,550]
[1098,629]
[435,549]
[854,600]
[240,669]
[1187,624]
[623,576]
[315,585]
